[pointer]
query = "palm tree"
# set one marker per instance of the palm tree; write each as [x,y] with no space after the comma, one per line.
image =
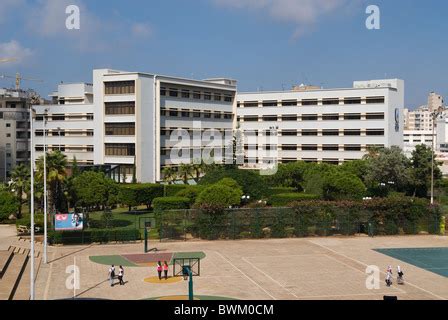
[169,175]
[56,174]
[185,172]
[20,180]
[198,169]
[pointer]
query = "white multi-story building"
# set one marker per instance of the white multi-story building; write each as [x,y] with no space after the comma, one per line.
[126,119]
[322,125]
[413,138]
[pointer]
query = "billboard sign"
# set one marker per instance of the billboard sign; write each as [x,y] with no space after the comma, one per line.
[69,221]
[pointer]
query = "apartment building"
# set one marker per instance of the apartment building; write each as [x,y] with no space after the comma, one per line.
[321,125]
[67,124]
[135,120]
[413,138]
[14,130]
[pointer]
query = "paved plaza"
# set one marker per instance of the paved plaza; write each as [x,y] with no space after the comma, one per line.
[312,268]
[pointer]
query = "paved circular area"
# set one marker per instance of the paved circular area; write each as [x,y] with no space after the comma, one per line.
[156,280]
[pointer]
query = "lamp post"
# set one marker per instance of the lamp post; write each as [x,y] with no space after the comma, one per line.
[434,115]
[32,206]
[45,186]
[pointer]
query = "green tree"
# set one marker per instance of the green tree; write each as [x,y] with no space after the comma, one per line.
[8,204]
[186,171]
[289,175]
[20,178]
[421,160]
[169,175]
[94,189]
[220,196]
[356,167]
[389,170]
[56,175]
[340,185]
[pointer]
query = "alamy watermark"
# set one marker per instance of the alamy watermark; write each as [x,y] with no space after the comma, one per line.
[373,21]
[73,20]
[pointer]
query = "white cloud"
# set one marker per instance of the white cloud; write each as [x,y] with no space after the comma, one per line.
[304,14]
[141,30]
[15,50]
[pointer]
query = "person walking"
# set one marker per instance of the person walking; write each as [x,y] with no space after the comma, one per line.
[112,275]
[389,279]
[165,270]
[121,275]
[400,275]
[159,269]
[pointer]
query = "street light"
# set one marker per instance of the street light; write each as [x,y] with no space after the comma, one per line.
[45,186]
[32,207]
[434,115]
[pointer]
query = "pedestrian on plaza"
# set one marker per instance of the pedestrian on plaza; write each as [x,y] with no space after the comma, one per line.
[112,275]
[389,279]
[165,270]
[120,275]
[159,269]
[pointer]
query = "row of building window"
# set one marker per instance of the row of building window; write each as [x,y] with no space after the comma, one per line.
[192,131]
[119,87]
[311,102]
[306,147]
[66,117]
[65,133]
[120,108]
[195,114]
[64,148]
[312,117]
[197,95]
[315,132]
[120,149]
[120,129]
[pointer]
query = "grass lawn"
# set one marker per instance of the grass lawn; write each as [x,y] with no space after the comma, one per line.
[123,219]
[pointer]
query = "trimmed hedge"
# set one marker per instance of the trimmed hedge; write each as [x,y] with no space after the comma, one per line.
[280,190]
[93,235]
[191,192]
[172,189]
[170,203]
[283,199]
[137,194]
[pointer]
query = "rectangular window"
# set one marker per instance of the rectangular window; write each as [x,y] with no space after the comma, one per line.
[120,149]
[352,116]
[330,132]
[185,114]
[120,108]
[207,115]
[228,116]
[289,133]
[228,98]
[330,147]
[309,102]
[375,116]
[217,115]
[174,93]
[375,132]
[309,147]
[309,133]
[289,117]
[331,161]
[352,147]
[173,113]
[309,117]
[217,97]
[8,125]
[58,117]
[120,129]
[332,101]
[252,104]
[352,132]
[270,118]
[197,95]
[289,147]
[375,100]
[119,87]
[269,103]
[352,101]
[163,91]
[289,103]
[185,94]
[207,96]
[196,114]
[330,117]
[250,118]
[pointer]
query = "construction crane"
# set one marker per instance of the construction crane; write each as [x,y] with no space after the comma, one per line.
[19,78]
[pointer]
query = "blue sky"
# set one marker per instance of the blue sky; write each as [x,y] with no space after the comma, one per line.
[264,44]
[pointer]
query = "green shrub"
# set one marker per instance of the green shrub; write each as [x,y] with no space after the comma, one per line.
[191,192]
[137,194]
[284,199]
[172,190]
[281,190]
[94,235]
[26,221]
[170,203]
[219,195]
[8,204]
